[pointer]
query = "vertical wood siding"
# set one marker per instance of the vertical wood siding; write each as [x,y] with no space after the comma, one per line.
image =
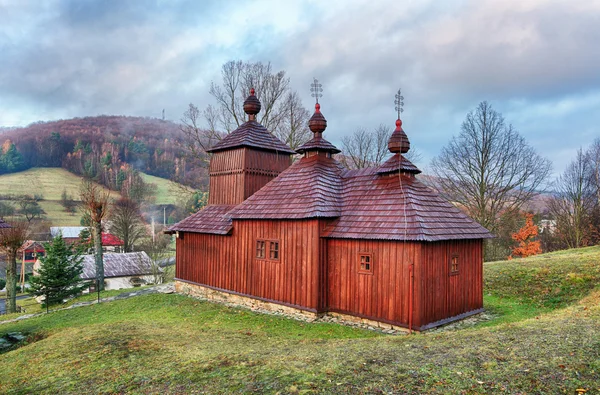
[323,274]
[442,295]
[382,295]
[237,174]
[229,262]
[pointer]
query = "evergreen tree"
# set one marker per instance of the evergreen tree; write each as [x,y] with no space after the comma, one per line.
[11,160]
[59,276]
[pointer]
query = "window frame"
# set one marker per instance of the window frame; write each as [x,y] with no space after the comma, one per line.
[367,261]
[260,249]
[452,264]
[268,250]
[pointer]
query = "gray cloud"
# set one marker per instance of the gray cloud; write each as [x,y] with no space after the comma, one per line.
[536,61]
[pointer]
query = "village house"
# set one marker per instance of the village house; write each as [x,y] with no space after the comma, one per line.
[122,270]
[314,238]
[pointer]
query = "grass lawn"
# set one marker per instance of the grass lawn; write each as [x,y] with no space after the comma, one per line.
[51,182]
[537,343]
[167,191]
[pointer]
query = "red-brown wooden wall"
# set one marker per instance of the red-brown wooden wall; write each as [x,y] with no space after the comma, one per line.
[229,262]
[237,174]
[319,274]
[441,295]
[382,295]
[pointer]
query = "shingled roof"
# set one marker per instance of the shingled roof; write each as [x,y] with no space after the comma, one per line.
[211,219]
[381,203]
[251,133]
[398,207]
[398,163]
[310,188]
[119,265]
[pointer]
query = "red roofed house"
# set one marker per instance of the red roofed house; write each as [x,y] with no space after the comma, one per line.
[315,238]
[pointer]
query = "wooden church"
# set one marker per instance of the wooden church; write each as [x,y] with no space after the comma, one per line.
[315,238]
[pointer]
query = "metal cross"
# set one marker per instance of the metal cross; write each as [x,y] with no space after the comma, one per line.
[399,102]
[316,89]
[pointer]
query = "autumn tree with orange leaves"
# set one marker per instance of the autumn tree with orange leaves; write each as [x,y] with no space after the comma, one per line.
[524,236]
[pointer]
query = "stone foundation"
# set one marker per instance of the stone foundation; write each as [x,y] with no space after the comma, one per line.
[234,300]
[261,306]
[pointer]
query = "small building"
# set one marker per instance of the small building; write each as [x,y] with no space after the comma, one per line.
[110,243]
[123,270]
[3,224]
[31,250]
[314,238]
[69,233]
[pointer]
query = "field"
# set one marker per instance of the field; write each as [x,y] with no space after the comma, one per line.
[542,335]
[167,191]
[50,183]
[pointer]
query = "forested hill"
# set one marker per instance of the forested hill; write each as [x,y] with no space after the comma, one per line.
[108,148]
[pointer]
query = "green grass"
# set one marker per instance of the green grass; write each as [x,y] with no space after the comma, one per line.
[167,191]
[175,344]
[50,183]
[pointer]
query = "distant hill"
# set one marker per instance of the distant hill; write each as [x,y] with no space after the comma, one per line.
[107,148]
[51,182]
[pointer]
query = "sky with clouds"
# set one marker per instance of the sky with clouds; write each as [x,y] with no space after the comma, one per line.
[537,62]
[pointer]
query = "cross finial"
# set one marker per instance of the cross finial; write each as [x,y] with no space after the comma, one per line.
[316,89]
[399,102]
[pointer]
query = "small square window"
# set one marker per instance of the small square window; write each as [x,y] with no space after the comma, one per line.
[454,264]
[260,249]
[274,250]
[365,263]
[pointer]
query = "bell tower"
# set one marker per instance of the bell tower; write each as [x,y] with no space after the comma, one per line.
[246,159]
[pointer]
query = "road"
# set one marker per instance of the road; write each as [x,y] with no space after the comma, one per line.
[3,302]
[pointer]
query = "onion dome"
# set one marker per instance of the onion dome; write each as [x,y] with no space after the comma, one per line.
[398,142]
[251,133]
[317,124]
[252,106]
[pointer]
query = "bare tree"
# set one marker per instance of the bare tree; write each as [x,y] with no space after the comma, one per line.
[365,149]
[281,113]
[593,159]
[126,222]
[198,139]
[293,130]
[489,168]
[11,239]
[237,79]
[95,203]
[573,204]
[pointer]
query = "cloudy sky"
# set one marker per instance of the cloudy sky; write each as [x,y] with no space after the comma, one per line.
[537,62]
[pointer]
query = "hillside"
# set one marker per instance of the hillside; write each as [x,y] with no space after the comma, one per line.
[104,147]
[50,183]
[176,344]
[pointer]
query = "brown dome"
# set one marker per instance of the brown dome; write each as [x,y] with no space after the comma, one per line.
[399,140]
[252,106]
[317,123]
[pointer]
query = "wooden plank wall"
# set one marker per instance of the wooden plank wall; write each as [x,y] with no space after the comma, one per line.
[229,263]
[382,295]
[227,177]
[442,295]
[237,174]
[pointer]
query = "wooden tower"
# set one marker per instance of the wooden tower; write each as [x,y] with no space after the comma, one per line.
[245,160]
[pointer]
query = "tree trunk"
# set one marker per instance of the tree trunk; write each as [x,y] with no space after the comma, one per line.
[11,282]
[98,254]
